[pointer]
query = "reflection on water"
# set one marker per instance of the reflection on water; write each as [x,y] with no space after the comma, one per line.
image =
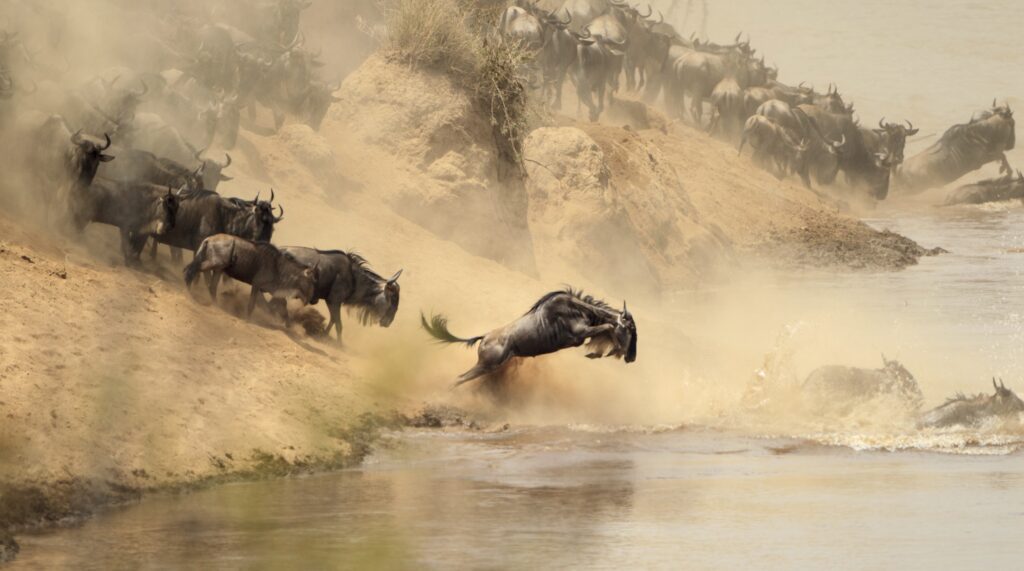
[555,498]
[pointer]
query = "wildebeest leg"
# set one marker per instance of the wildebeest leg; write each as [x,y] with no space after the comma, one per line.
[491,358]
[212,280]
[126,246]
[335,310]
[175,253]
[253,294]
[1005,167]
[152,249]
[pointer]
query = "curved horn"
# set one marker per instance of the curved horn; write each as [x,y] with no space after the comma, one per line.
[77,137]
[198,154]
[257,199]
[994,385]
[394,278]
[271,194]
[737,40]
[661,18]
[228,163]
[280,216]
[107,146]
[650,11]
[881,123]
[145,89]
[910,126]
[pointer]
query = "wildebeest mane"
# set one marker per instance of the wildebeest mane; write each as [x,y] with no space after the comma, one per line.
[576,294]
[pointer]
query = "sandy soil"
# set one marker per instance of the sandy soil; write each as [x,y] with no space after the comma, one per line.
[112,381]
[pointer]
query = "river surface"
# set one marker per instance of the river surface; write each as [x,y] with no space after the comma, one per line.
[737,495]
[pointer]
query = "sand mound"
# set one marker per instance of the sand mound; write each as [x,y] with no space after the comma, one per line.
[624,206]
[443,146]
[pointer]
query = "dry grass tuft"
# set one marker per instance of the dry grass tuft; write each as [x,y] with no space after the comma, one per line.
[457,37]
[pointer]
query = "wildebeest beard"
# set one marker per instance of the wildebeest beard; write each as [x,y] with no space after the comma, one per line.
[376,299]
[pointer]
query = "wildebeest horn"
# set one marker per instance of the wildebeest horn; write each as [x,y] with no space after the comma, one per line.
[257,199]
[271,195]
[77,137]
[568,21]
[198,154]
[881,123]
[280,216]
[394,278]
[910,125]
[994,385]
[650,11]
[993,105]
[145,89]
[107,146]
[228,163]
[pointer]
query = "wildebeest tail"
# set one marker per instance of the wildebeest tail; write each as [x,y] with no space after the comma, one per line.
[192,269]
[437,327]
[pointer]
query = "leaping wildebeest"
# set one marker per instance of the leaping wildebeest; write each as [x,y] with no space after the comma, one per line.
[962,149]
[559,320]
[343,278]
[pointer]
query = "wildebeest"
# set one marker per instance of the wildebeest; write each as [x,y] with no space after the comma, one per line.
[343,278]
[137,210]
[259,264]
[135,166]
[202,214]
[559,320]
[774,147]
[65,164]
[972,411]
[594,64]
[1006,187]
[862,168]
[891,137]
[961,149]
[813,154]
[519,26]
[841,389]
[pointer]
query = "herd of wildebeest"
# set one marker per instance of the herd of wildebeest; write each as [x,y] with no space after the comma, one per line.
[793,130]
[128,149]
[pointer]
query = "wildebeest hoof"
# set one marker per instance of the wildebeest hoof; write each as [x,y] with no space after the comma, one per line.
[593,355]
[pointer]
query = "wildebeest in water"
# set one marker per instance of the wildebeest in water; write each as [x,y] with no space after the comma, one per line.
[971,411]
[559,320]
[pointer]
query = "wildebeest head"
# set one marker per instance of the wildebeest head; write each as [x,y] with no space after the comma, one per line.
[625,334]
[1005,401]
[385,300]
[895,137]
[166,212]
[263,217]
[90,154]
[211,172]
[902,381]
[301,279]
[319,98]
[832,102]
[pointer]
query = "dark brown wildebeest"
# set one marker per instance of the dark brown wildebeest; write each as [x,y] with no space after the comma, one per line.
[1006,187]
[259,264]
[343,278]
[204,213]
[971,411]
[137,210]
[841,389]
[962,149]
[65,164]
[559,320]
[891,137]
